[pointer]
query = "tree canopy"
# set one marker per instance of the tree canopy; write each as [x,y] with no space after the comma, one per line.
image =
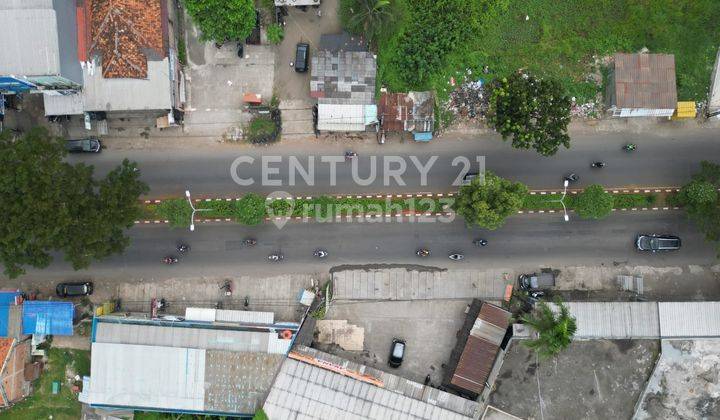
[222,20]
[534,112]
[489,203]
[555,330]
[49,205]
[594,203]
[365,17]
[701,200]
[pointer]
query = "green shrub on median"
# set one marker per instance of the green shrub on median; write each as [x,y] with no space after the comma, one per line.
[176,211]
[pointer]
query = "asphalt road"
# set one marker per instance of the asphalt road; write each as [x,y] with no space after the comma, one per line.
[663,158]
[525,241]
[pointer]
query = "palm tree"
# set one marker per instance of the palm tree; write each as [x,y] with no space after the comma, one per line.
[365,16]
[555,329]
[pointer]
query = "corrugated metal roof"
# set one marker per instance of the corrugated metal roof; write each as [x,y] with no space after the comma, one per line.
[7,299]
[645,81]
[341,117]
[199,338]
[689,319]
[248,317]
[481,348]
[147,376]
[310,392]
[45,317]
[615,320]
[714,96]
[63,104]
[29,37]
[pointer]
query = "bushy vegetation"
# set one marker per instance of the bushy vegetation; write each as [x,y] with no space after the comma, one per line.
[262,129]
[534,112]
[275,33]
[365,17]
[431,41]
[555,329]
[222,20]
[487,204]
[594,203]
[701,200]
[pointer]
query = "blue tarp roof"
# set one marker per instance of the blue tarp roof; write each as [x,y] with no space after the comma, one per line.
[423,136]
[45,317]
[6,300]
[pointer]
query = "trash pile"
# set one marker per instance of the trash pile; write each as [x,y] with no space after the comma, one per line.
[469,100]
[588,110]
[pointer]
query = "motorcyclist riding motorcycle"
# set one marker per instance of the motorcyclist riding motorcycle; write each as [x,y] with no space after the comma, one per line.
[572,177]
[320,253]
[250,242]
[350,154]
[456,257]
[480,242]
[598,164]
[629,147]
[275,257]
[422,252]
[182,248]
[170,260]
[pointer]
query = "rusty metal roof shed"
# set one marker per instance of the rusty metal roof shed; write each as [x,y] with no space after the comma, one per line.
[643,81]
[478,344]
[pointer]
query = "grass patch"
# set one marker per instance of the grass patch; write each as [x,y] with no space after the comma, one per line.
[552,201]
[42,404]
[182,51]
[262,129]
[558,39]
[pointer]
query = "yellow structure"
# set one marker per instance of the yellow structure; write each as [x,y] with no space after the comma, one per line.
[685,110]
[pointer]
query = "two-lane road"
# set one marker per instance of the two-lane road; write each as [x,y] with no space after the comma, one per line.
[525,241]
[661,160]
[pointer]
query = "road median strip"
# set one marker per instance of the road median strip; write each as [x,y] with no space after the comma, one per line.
[252,209]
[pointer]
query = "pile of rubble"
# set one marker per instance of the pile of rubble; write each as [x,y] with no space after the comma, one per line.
[588,110]
[469,100]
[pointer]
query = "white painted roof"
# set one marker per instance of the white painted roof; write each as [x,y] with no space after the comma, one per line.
[615,319]
[147,376]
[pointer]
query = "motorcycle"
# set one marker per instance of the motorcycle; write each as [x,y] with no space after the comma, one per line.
[597,165]
[183,248]
[630,147]
[250,242]
[480,242]
[320,253]
[571,177]
[170,260]
[227,288]
[275,257]
[350,155]
[456,257]
[422,252]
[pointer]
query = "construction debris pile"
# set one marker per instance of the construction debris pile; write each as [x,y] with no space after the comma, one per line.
[589,110]
[469,100]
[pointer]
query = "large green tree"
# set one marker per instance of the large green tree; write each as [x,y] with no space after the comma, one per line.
[222,20]
[534,112]
[701,200]
[49,205]
[489,203]
[594,203]
[555,329]
[365,17]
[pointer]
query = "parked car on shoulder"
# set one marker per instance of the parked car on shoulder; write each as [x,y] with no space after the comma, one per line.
[83,146]
[302,57]
[397,352]
[74,289]
[535,281]
[655,242]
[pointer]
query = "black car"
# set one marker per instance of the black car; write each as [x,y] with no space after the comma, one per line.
[74,289]
[468,178]
[654,242]
[302,55]
[397,352]
[83,146]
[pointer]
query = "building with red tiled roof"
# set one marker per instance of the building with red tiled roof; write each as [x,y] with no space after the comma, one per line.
[14,356]
[128,53]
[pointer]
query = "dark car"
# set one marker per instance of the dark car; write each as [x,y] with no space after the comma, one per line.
[654,243]
[397,352]
[74,289]
[468,178]
[302,55]
[83,146]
